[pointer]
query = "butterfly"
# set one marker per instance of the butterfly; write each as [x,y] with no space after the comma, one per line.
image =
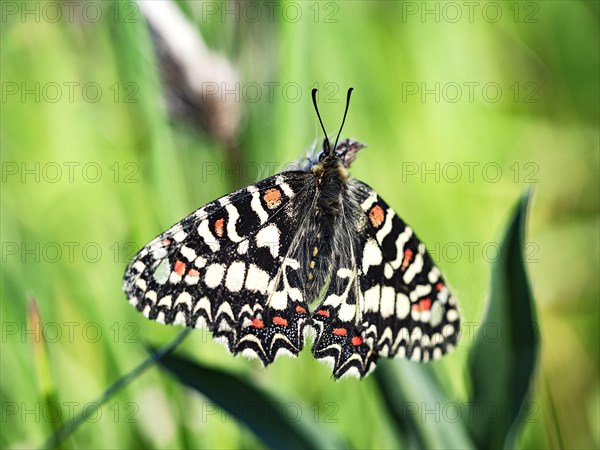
[305,252]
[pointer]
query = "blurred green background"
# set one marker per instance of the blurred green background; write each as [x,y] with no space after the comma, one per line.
[462,104]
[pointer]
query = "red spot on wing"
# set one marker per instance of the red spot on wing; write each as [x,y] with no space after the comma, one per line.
[257,323]
[323,313]
[179,268]
[340,331]
[300,310]
[193,273]
[220,227]
[272,198]
[165,242]
[439,286]
[357,340]
[422,305]
[408,254]
[376,216]
[280,321]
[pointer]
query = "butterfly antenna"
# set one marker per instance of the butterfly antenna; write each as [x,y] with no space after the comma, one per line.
[314,98]
[344,119]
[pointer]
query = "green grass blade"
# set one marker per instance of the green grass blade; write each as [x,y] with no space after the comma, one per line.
[503,358]
[238,397]
[64,431]
[423,415]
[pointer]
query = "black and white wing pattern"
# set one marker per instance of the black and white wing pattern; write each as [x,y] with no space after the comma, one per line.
[387,298]
[224,268]
[249,266]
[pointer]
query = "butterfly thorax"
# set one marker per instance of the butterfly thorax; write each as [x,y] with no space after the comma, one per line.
[331,178]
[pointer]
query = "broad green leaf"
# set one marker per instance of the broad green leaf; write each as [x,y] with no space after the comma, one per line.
[240,398]
[423,415]
[503,358]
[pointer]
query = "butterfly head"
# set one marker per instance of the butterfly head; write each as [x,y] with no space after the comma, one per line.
[345,152]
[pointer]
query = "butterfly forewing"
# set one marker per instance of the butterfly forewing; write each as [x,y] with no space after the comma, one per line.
[224,267]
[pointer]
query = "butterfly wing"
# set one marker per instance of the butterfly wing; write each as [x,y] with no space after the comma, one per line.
[390,301]
[225,268]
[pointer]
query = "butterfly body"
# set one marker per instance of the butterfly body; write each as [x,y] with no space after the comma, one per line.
[309,251]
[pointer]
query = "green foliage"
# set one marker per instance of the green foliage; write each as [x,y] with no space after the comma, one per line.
[411,394]
[264,414]
[501,366]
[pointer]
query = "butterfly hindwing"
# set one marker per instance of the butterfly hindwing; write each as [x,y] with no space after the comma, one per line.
[406,298]
[224,268]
